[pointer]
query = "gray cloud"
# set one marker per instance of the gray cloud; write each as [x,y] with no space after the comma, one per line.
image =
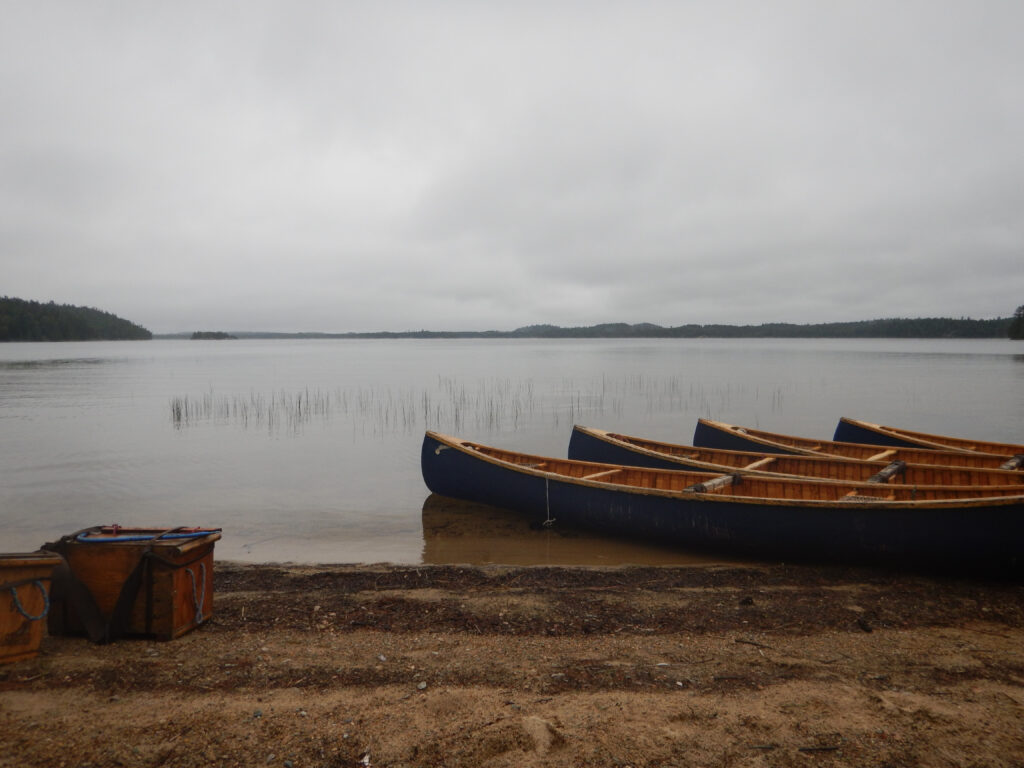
[343,166]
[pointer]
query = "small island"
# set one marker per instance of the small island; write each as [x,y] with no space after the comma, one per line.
[211,336]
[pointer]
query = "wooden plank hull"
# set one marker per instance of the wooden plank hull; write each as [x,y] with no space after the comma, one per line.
[24,603]
[716,434]
[589,444]
[804,520]
[856,431]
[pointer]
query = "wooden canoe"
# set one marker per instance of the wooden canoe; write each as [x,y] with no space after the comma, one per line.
[856,431]
[740,514]
[717,434]
[590,444]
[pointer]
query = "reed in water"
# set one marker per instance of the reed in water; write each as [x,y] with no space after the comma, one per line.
[458,406]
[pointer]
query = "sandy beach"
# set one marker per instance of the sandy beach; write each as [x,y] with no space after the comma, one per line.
[496,666]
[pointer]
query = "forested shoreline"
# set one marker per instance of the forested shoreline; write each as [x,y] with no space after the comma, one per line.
[22,320]
[896,328]
[929,327]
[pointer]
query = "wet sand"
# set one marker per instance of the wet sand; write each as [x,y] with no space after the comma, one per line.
[511,666]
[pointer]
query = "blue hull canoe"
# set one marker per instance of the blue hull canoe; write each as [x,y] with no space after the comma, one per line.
[590,444]
[717,434]
[740,515]
[857,431]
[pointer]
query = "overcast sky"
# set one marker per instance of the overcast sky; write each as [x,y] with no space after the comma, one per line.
[358,166]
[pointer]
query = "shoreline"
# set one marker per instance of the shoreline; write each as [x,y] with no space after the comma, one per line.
[423,665]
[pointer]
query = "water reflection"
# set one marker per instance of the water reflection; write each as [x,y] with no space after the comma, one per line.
[464,532]
[56,363]
[309,450]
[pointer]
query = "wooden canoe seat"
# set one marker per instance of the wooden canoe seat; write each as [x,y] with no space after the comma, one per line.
[605,473]
[882,455]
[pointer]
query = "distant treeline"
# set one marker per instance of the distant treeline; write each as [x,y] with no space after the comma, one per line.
[22,320]
[1016,329]
[892,328]
[897,328]
[211,336]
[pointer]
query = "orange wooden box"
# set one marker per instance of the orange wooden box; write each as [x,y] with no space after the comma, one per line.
[175,593]
[24,603]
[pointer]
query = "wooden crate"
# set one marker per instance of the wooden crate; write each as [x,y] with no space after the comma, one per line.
[24,602]
[174,592]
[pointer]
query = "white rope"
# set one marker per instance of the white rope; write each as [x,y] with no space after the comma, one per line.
[198,591]
[547,499]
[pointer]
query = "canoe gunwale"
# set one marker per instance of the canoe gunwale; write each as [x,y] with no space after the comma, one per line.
[974,533]
[853,430]
[594,444]
[716,434]
[474,450]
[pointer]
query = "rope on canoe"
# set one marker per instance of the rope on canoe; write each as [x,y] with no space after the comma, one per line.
[547,500]
[13,587]
[198,596]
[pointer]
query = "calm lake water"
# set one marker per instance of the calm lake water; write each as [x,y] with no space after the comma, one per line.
[309,450]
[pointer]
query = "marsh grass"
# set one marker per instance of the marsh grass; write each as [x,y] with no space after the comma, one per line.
[459,406]
[278,410]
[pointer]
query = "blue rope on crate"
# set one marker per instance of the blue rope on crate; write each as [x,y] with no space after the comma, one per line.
[21,609]
[86,538]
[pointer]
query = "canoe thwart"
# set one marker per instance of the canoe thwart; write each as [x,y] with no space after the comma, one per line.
[881,456]
[895,468]
[713,485]
[1015,463]
[760,463]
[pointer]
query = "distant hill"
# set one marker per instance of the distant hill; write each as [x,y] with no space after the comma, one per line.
[890,328]
[894,328]
[22,320]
